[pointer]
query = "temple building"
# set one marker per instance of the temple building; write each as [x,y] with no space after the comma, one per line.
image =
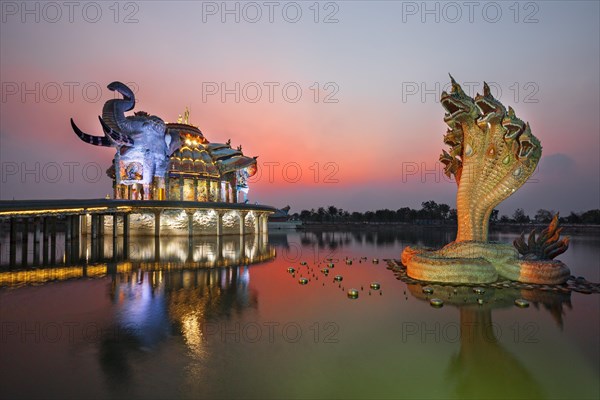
[155,160]
[197,171]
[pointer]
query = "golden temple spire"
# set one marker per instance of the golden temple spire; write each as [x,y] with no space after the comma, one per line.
[185,119]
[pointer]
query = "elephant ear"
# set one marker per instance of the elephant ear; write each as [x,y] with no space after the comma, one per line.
[174,143]
[116,137]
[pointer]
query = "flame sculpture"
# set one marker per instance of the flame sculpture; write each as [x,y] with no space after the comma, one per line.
[492,154]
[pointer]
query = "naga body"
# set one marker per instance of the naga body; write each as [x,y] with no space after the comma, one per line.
[492,154]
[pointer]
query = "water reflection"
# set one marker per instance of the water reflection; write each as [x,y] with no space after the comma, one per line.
[100,257]
[483,366]
[377,235]
[181,321]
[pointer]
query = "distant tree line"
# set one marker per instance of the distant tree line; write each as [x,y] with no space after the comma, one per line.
[432,212]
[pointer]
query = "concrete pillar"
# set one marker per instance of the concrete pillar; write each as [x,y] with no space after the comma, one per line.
[76,228]
[68,238]
[84,227]
[181,187]
[256,223]
[157,223]
[242,215]
[156,249]
[36,242]
[115,235]
[100,225]
[190,254]
[265,222]
[157,235]
[190,215]
[53,240]
[13,242]
[219,223]
[242,249]
[125,235]
[25,241]
[68,228]
[219,248]
[94,227]
[45,232]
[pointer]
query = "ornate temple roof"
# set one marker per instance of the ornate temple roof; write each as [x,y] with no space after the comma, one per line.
[196,156]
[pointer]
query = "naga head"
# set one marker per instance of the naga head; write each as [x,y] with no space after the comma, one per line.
[495,148]
[458,105]
[491,110]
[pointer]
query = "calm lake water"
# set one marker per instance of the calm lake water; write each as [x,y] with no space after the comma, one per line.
[225,319]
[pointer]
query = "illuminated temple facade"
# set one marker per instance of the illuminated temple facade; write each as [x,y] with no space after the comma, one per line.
[155,160]
[197,171]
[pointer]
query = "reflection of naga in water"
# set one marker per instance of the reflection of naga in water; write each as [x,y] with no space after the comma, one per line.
[483,368]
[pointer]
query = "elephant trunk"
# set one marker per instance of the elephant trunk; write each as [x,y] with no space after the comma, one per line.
[113,112]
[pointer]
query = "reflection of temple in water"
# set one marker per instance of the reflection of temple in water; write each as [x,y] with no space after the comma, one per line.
[152,305]
[97,258]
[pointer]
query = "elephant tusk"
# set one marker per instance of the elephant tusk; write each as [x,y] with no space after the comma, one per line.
[95,140]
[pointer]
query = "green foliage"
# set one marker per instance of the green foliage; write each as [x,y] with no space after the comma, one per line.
[434,213]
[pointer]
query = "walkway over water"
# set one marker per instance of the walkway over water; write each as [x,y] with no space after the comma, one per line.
[82,219]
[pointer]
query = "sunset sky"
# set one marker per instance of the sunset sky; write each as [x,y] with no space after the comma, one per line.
[365,130]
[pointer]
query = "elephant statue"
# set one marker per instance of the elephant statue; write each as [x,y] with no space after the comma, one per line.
[143,142]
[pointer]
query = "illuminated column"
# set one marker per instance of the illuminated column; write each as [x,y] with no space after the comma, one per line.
[67,248]
[256,223]
[125,235]
[259,234]
[68,228]
[100,225]
[265,223]
[180,187]
[190,215]
[115,234]
[207,183]
[76,227]
[24,241]
[115,227]
[75,249]
[157,235]
[242,222]
[45,240]
[157,223]
[242,248]
[53,240]
[219,248]
[158,188]
[94,227]
[223,195]
[13,242]
[36,242]
[83,222]
[219,222]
